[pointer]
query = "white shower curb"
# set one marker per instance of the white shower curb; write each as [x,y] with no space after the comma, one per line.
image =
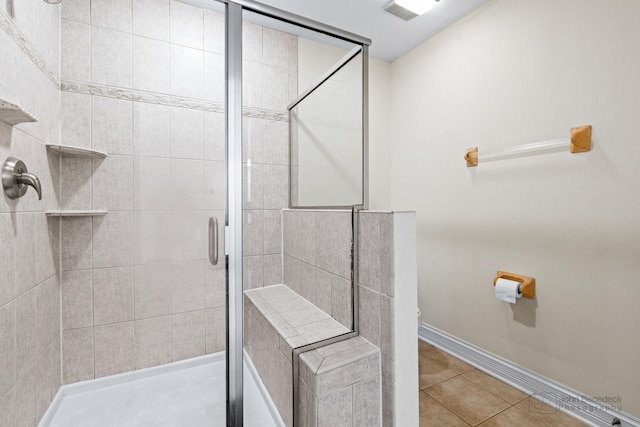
[96,384]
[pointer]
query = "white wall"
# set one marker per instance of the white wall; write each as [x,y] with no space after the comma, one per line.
[314,59]
[328,136]
[513,72]
[379,136]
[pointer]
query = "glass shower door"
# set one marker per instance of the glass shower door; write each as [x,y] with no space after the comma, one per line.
[140,285]
[269,82]
[189,100]
[286,290]
[262,75]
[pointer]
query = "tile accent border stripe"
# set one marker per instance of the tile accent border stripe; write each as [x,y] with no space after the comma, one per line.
[163,99]
[11,30]
[543,389]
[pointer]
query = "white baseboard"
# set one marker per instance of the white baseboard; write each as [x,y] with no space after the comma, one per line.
[555,394]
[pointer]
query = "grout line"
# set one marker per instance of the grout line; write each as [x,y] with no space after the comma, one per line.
[517,377]
[532,415]
[451,410]
[538,418]
[494,415]
[520,401]
[60,273]
[485,388]
[93,311]
[511,405]
[447,409]
[439,382]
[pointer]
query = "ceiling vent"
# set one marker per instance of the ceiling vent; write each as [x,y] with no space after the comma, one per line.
[400,11]
[409,9]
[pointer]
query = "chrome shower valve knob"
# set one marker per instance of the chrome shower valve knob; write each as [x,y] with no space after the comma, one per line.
[16,179]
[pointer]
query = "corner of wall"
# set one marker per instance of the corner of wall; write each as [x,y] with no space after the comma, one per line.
[405,325]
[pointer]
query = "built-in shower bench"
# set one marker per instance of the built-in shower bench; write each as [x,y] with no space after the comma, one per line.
[338,383]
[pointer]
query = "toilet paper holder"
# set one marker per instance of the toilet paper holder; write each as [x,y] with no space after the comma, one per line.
[527,284]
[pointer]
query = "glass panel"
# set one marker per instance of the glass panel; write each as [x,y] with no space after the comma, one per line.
[269,83]
[296,263]
[327,141]
[153,99]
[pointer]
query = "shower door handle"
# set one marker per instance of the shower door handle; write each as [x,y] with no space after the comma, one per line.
[213,240]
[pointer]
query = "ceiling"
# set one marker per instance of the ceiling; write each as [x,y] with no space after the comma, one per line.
[392,37]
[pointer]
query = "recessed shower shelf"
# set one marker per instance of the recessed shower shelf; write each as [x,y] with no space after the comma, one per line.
[68,150]
[76,213]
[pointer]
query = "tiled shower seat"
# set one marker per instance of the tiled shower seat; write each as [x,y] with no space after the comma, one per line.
[278,320]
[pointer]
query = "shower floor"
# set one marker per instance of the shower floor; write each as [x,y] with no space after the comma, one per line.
[190,393]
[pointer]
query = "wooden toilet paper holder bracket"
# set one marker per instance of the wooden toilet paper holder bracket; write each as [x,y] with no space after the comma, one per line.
[527,284]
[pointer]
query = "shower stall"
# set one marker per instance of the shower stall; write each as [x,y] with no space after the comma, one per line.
[223,124]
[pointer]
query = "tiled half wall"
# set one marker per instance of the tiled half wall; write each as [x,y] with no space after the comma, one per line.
[317,266]
[317,259]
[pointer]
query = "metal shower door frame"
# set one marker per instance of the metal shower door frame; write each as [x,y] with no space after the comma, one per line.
[233,221]
[234,196]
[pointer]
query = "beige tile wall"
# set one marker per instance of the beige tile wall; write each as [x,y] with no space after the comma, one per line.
[317,263]
[376,291]
[340,385]
[143,80]
[270,83]
[136,288]
[29,283]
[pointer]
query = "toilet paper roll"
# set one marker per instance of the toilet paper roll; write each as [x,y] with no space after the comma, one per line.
[507,290]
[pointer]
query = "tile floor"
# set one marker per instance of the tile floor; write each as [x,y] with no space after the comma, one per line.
[455,394]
